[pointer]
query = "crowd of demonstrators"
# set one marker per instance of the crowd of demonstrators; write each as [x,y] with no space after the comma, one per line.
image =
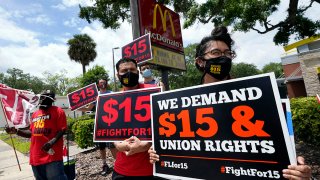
[133,158]
[146,73]
[102,85]
[216,51]
[48,124]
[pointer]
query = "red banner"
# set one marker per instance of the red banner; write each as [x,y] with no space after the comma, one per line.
[17,105]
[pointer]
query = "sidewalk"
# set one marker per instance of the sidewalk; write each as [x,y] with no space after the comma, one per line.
[9,169]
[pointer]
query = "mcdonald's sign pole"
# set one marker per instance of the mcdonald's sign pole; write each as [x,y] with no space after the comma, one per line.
[135,19]
[136,34]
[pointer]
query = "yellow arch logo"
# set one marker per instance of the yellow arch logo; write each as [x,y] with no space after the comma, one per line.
[163,19]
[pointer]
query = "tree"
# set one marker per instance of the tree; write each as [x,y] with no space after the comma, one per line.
[190,77]
[273,67]
[15,78]
[93,75]
[82,50]
[243,69]
[59,83]
[242,15]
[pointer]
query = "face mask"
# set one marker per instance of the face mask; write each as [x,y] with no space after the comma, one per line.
[219,67]
[129,79]
[147,73]
[45,102]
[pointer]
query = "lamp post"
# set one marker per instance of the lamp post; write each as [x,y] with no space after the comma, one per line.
[114,72]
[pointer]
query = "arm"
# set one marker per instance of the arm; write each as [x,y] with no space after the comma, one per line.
[298,172]
[162,85]
[136,146]
[51,142]
[23,133]
[122,146]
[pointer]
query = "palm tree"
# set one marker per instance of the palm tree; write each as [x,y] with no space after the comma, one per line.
[82,50]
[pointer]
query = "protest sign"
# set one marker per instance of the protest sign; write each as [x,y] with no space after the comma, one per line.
[83,96]
[225,130]
[139,49]
[121,115]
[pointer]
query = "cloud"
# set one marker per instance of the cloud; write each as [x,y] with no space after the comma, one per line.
[106,39]
[71,3]
[38,59]
[14,33]
[72,22]
[40,19]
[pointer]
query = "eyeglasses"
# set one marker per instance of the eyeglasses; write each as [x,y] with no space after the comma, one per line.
[218,53]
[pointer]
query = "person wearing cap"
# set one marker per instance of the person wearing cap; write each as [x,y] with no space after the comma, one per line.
[47,126]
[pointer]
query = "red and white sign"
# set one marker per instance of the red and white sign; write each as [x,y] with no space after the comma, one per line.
[17,105]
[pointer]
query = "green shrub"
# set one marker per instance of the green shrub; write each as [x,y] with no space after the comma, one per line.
[83,133]
[306,119]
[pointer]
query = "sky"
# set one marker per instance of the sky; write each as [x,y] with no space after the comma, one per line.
[34,35]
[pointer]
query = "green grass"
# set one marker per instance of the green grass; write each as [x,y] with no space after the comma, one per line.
[21,144]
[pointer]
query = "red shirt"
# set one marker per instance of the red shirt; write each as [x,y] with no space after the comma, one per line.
[137,164]
[44,126]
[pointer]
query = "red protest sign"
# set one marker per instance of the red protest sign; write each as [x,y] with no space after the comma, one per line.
[83,96]
[235,128]
[139,49]
[121,115]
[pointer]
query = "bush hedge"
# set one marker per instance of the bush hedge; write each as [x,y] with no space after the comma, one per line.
[306,119]
[83,133]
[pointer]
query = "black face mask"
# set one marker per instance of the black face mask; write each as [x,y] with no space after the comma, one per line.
[219,67]
[129,79]
[45,102]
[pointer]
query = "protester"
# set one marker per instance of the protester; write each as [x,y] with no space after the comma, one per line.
[132,160]
[216,51]
[48,124]
[146,72]
[102,85]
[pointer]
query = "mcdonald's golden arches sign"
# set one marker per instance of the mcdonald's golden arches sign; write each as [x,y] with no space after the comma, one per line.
[162,23]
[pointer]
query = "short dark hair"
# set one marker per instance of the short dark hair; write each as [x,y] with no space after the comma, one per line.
[124,60]
[143,64]
[103,79]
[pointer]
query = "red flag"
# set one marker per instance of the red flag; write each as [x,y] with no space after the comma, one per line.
[318,98]
[17,105]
